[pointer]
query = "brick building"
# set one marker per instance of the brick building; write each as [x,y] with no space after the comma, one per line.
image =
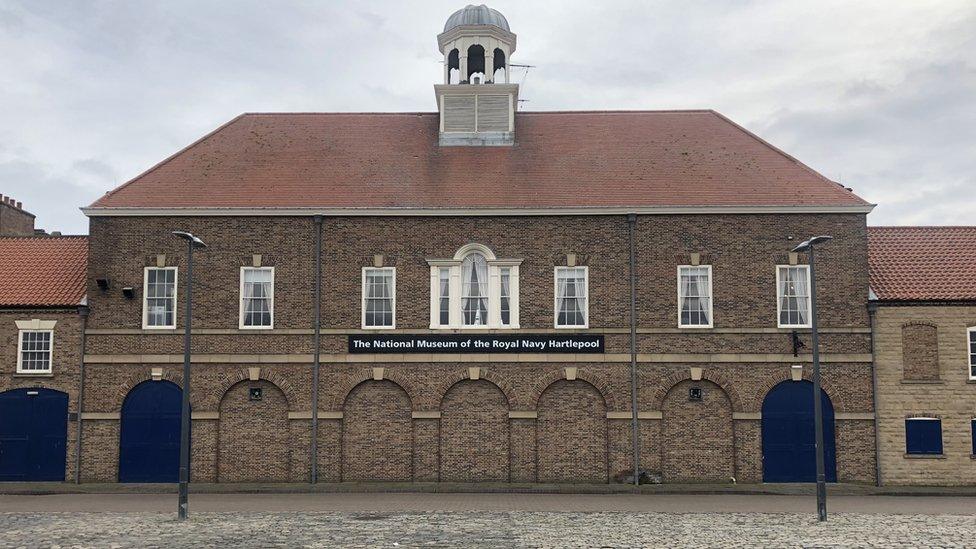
[14,219]
[464,286]
[924,306]
[42,315]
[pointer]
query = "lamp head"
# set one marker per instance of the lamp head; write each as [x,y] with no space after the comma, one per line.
[807,244]
[189,236]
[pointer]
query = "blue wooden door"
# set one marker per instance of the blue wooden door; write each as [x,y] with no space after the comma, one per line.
[788,437]
[149,446]
[33,435]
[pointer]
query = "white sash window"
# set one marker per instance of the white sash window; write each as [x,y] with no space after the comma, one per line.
[379,297]
[793,296]
[257,298]
[695,296]
[572,294]
[159,297]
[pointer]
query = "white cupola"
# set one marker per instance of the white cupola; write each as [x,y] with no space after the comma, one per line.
[476,101]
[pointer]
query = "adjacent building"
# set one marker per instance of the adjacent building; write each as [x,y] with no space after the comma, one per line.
[42,316]
[923,281]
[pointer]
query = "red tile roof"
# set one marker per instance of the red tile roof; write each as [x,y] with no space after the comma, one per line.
[922,263]
[44,271]
[560,160]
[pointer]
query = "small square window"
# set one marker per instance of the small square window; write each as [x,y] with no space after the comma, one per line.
[923,436]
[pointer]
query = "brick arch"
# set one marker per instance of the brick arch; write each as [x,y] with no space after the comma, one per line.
[129,383]
[366,374]
[699,435]
[773,380]
[919,323]
[665,385]
[229,380]
[460,375]
[599,382]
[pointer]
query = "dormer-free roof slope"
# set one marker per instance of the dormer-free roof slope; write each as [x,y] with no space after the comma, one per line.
[589,160]
[922,263]
[43,271]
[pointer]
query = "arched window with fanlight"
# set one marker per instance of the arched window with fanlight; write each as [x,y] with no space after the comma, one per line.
[474,289]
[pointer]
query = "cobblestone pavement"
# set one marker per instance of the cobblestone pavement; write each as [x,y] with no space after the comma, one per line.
[484,529]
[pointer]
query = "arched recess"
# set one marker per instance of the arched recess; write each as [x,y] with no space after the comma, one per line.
[697,438]
[149,434]
[377,433]
[788,437]
[474,438]
[572,433]
[476,62]
[254,444]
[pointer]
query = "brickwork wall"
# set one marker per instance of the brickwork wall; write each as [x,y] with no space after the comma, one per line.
[951,397]
[698,442]
[920,352]
[255,445]
[572,434]
[377,435]
[572,440]
[15,221]
[474,439]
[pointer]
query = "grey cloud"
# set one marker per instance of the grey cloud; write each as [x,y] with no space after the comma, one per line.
[877,94]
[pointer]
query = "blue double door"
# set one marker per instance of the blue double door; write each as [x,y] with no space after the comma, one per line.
[788,435]
[33,435]
[149,445]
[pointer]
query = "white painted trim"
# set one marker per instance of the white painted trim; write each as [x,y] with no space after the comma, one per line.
[355,212]
[711,297]
[970,355]
[779,301]
[473,247]
[240,299]
[586,298]
[176,297]
[20,352]
[455,285]
[362,302]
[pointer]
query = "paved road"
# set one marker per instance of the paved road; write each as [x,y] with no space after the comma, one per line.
[484,520]
[463,502]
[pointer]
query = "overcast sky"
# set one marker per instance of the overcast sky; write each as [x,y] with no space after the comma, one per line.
[880,96]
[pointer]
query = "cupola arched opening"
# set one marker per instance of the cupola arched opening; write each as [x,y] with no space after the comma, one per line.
[476,64]
[454,67]
[499,65]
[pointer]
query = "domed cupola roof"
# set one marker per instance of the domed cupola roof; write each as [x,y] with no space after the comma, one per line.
[476,15]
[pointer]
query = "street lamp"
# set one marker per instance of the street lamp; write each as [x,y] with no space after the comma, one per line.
[808,246]
[191,242]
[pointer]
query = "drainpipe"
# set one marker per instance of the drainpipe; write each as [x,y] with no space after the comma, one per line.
[631,223]
[316,339]
[872,312]
[83,314]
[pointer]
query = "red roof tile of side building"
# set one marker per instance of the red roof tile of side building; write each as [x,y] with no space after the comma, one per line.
[922,263]
[43,271]
[609,159]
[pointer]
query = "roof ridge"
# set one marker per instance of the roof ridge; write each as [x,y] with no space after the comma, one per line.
[418,113]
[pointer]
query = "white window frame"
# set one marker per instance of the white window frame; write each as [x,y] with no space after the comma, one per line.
[495,265]
[20,351]
[145,298]
[970,355]
[779,300]
[586,298]
[711,298]
[362,304]
[240,299]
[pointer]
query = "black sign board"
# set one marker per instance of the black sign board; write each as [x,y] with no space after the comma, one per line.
[475,343]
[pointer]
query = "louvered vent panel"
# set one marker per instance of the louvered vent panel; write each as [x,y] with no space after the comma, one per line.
[459,113]
[493,113]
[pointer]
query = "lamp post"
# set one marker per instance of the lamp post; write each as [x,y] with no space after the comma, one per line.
[808,246]
[191,242]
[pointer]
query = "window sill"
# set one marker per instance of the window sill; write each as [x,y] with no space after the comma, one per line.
[925,456]
[922,382]
[971,381]
[28,374]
